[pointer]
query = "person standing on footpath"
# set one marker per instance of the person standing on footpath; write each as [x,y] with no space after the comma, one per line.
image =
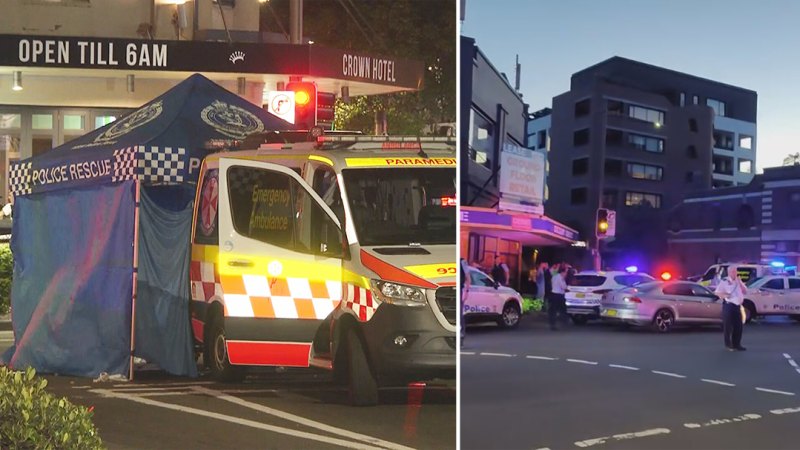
[731,289]
[500,271]
[558,303]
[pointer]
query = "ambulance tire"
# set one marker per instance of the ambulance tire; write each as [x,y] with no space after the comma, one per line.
[217,356]
[362,386]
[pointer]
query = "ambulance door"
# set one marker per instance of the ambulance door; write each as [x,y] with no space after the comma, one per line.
[280,258]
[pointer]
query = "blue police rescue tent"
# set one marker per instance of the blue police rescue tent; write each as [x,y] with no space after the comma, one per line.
[101,235]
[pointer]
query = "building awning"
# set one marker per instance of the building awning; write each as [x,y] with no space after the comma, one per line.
[527,229]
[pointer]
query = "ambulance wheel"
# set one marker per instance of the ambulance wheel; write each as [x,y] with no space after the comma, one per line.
[216,354]
[362,385]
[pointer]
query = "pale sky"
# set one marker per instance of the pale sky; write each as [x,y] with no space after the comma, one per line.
[751,44]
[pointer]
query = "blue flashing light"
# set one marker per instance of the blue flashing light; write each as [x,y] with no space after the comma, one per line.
[631,269]
[777,264]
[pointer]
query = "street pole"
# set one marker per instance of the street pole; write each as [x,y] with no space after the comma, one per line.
[296,21]
[601,178]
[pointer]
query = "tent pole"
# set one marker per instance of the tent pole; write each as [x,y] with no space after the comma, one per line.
[135,273]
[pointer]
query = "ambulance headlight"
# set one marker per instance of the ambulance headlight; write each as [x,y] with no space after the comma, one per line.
[398,294]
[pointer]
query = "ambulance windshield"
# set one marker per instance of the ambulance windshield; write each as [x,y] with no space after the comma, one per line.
[402,206]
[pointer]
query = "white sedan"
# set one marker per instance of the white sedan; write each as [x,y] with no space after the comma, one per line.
[773,295]
[486,300]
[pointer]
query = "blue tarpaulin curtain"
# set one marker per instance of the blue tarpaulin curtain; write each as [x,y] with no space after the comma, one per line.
[73,269]
[163,335]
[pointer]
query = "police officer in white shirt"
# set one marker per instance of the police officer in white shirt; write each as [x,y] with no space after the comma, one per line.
[731,289]
[557,303]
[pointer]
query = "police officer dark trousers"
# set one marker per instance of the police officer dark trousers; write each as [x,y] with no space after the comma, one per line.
[732,325]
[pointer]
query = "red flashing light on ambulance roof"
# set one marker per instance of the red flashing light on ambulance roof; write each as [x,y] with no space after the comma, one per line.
[448,201]
[400,145]
[666,276]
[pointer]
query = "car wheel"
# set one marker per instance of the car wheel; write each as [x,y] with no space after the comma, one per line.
[663,320]
[749,311]
[579,319]
[510,317]
[216,350]
[362,385]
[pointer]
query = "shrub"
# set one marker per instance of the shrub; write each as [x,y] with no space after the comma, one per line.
[31,418]
[6,273]
[530,304]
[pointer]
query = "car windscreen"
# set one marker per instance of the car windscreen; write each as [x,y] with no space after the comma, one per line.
[588,280]
[632,279]
[402,206]
[647,287]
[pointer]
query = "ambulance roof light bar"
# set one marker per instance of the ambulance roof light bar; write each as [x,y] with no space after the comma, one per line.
[367,138]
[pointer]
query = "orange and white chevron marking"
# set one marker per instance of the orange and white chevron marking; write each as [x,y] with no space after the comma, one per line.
[279,298]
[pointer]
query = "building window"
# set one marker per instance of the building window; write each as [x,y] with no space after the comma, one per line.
[481,141]
[645,172]
[745,166]
[580,166]
[723,140]
[642,199]
[613,137]
[693,125]
[101,121]
[683,99]
[717,105]
[541,138]
[722,165]
[613,167]
[580,137]
[695,99]
[615,107]
[691,152]
[578,196]
[745,142]
[653,116]
[647,143]
[610,198]
[583,108]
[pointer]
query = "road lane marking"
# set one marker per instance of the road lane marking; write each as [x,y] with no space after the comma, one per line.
[722,383]
[582,361]
[785,411]
[773,391]
[160,385]
[669,374]
[505,355]
[791,362]
[237,420]
[617,366]
[545,358]
[300,420]
[467,353]
[714,422]
[622,437]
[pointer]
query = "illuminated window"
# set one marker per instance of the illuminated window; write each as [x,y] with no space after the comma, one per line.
[745,166]
[645,172]
[647,143]
[642,113]
[746,142]
[642,199]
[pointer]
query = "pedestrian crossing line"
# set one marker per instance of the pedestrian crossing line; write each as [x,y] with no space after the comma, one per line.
[617,366]
[773,391]
[785,411]
[722,383]
[467,353]
[545,358]
[582,361]
[791,362]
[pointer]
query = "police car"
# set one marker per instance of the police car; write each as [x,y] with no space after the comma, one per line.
[773,295]
[487,300]
[586,291]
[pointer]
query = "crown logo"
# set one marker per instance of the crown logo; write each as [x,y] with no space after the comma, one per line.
[237,56]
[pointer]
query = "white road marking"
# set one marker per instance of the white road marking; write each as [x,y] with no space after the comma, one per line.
[774,391]
[161,385]
[467,353]
[791,362]
[506,355]
[622,437]
[546,358]
[714,422]
[617,366]
[785,411]
[581,361]
[717,382]
[669,374]
[237,420]
[301,420]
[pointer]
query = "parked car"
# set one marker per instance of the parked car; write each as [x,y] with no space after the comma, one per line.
[773,295]
[663,305]
[487,300]
[585,294]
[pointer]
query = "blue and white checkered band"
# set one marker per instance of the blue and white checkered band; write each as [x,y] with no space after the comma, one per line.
[19,178]
[124,164]
[162,165]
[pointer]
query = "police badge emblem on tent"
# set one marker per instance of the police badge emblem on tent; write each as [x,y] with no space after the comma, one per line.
[127,124]
[231,120]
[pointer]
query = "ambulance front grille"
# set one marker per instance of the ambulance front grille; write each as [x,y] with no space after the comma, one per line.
[446,301]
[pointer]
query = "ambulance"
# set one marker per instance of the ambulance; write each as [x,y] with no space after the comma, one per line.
[337,254]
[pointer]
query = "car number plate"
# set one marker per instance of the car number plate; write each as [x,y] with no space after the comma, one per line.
[580,295]
[611,312]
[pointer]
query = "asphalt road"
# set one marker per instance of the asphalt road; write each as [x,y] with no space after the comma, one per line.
[271,409]
[598,386]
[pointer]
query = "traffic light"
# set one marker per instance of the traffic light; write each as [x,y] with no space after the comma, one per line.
[601,230]
[326,108]
[305,103]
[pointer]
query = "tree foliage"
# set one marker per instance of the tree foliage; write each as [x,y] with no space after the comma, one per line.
[412,29]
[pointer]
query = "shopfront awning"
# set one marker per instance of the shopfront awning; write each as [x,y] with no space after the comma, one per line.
[527,229]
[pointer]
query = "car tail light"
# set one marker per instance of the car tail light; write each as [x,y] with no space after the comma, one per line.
[633,300]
